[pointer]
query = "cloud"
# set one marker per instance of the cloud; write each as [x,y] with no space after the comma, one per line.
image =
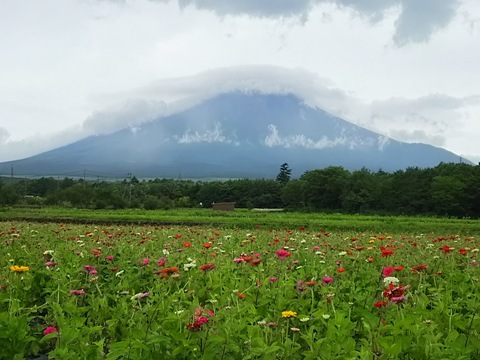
[427,119]
[417,19]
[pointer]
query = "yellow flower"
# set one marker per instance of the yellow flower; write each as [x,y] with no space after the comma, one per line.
[287,314]
[16,268]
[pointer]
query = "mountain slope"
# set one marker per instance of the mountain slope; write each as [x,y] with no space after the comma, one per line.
[234,135]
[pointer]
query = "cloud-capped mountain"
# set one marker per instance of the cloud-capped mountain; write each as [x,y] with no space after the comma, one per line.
[233,135]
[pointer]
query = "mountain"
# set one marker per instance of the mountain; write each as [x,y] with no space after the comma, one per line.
[233,135]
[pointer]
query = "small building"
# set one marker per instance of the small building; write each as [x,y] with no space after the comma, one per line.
[224,206]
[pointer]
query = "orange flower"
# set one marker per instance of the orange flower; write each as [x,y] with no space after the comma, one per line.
[398,268]
[97,252]
[310,283]
[340,269]
[417,268]
[241,295]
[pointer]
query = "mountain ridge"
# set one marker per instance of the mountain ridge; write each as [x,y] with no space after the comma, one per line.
[234,135]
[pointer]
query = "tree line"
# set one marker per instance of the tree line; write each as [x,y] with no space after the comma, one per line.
[445,190]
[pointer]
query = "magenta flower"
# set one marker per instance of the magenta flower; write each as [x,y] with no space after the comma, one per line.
[88,268]
[50,330]
[327,280]
[387,271]
[93,272]
[50,264]
[282,254]
[273,279]
[109,258]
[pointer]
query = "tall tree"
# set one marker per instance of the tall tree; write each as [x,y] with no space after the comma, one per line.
[283,176]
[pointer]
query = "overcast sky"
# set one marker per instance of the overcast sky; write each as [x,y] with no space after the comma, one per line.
[407,69]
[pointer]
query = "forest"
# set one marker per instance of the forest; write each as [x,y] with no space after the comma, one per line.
[449,189]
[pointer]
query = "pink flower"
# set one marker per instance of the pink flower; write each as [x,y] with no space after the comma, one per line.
[387,271]
[109,258]
[50,330]
[300,287]
[93,272]
[143,262]
[238,260]
[282,254]
[327,280]
[273,279]
[88,268]
[50,264]
[162,262]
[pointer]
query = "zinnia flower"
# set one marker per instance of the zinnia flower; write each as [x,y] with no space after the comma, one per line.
[77,292]
[50,330]
[161,262]
[380,304]
[16,268]
[386,252]
[143,262]
[287,314]
[327,280]
[206,267]
[50,264]
[387,271]
[282,254]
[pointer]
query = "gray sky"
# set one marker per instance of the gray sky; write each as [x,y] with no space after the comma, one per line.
[404,68]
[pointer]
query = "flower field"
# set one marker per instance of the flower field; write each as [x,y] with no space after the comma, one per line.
[176,292]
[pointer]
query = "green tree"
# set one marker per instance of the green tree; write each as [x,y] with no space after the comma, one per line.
[283,176]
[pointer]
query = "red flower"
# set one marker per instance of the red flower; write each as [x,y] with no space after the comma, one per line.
[340,269]
[187,244]
[386,252]
[398,268]
[206,267]
[256,262]
[395,293]
[241,295]
[463,251]
[371,259]
[380,304]
[207,245]
[445,249]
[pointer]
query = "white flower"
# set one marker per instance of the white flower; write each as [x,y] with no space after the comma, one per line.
[305,319]
[391,280]
[342,253]
[165,252]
